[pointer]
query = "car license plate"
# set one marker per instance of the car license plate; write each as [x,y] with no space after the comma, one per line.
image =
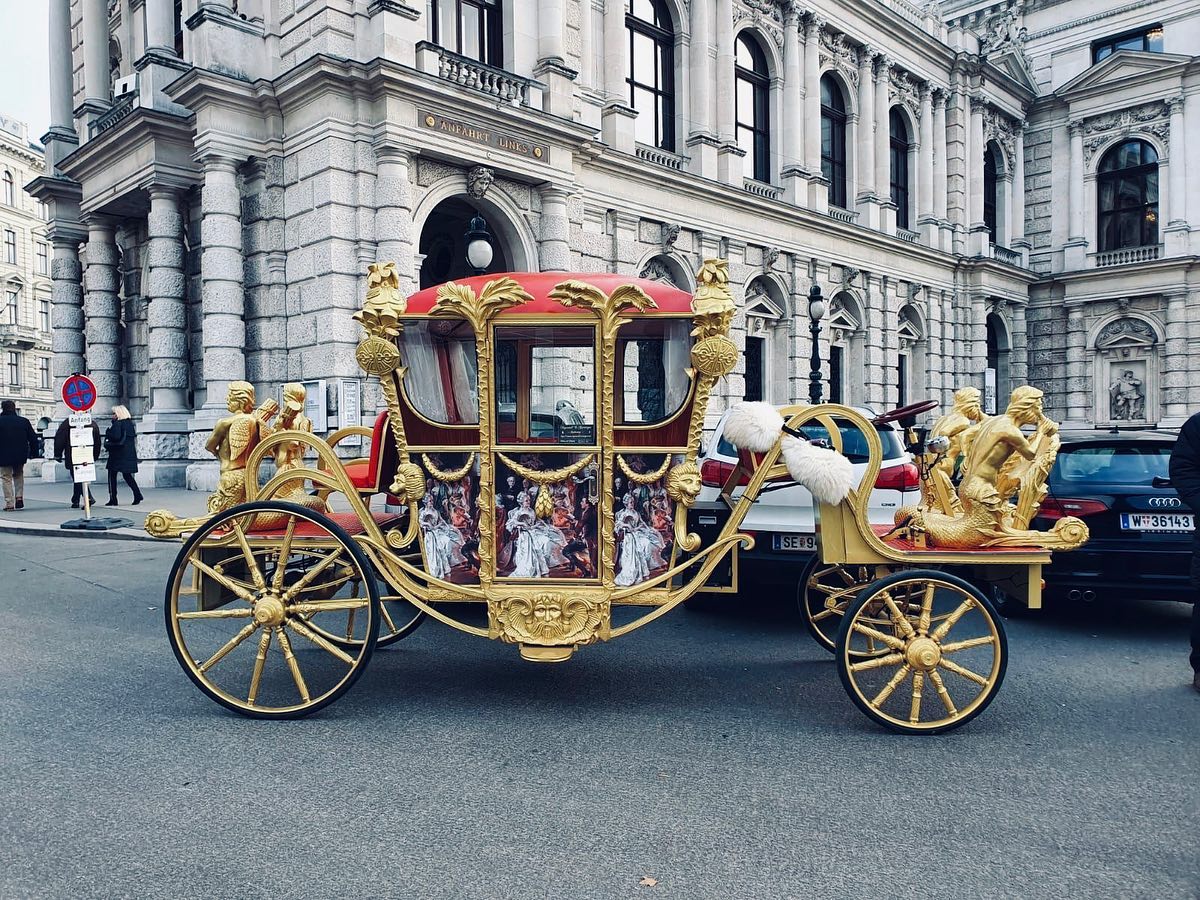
[797,543]
[1156,521]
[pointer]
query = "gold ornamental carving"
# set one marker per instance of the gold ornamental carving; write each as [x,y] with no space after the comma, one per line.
[714,356]
[683,483]
[448,475]
[643,478]
[959,427]
[547,618]
[377,356]
[385,303]
[1003,484]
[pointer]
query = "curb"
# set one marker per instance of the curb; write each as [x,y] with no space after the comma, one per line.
[8,526]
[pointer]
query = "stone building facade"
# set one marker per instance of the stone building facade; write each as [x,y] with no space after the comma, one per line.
[220,174]
[25,364]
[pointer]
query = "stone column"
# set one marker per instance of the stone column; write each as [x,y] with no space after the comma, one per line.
[166,318]
[1076,245]
[926,217]
[617,116]
[864,169]
[555,248]
[883,156]
[1078,394]
[818,194]
[1017,217]
[1174,375]
[101,309]
[550,30]
[979,234]
[66,298]
[393,212]
[701,141]
[1018,356]
[977,352]
[940,185]
[61,139]
[792,171]
[96,89]
[729,156]
[1175,235]
[160,27]
[222,300]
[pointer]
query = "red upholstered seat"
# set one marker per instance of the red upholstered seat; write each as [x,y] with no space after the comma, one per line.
[368,475]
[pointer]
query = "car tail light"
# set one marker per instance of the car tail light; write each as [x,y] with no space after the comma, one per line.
[1054,509]
[903,477]
[714,473]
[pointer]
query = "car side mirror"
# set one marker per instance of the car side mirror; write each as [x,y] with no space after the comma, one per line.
[1159,482]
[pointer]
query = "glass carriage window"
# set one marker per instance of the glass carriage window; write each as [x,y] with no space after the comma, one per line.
[652,381]
[1149,39]
[833,140]
[899,166]
[1127,188]
[473,28]
[553,373]
[651,72]
[989,191]
[441,381]
[752,112]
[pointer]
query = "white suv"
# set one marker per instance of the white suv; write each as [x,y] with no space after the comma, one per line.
[782,519]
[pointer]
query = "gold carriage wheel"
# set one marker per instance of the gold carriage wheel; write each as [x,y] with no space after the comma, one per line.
[240,605]
[397,619]
[948,651]
[822,595]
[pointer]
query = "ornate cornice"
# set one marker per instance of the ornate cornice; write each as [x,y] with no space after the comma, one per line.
[1148,118]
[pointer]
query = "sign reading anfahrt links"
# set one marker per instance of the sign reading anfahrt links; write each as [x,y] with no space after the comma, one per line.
[480,135]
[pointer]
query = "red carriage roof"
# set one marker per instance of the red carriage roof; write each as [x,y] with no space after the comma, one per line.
[669,299]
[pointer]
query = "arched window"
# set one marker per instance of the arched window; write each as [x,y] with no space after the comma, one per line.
[1127,188]
[752,108]
[473,28]
[899,166]
[10,194]
[833,140]
[651,70]
[990,165]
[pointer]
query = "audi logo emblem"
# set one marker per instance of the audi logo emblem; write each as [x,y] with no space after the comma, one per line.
[1165,502]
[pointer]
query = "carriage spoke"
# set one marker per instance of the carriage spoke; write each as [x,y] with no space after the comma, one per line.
[951,620]
[886,639]
[240,613]
[251,563]
[968,644]
[826,613]
[305,632]
[388,618]
[891,686]
[311,608]
[926,610]
[936,677]
[898,618]
[914,714]
[285,550]
[293,664]
[892,659]
[954,667]
[311,574]
[224,651]
[220,579]
[259,661]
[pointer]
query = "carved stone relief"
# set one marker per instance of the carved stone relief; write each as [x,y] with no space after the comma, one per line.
[1149,118]
[1126,373]
[836,52]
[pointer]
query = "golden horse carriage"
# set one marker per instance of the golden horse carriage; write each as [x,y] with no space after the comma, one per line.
[538,459]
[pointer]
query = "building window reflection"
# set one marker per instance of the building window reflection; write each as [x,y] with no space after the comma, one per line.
[833,140]
[1127,191]
[472,28]
[651,72]
[752,113]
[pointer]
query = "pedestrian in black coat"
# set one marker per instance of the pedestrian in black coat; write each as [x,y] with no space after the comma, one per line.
[18,442]
[121,443]
[62,452]
[1185,478]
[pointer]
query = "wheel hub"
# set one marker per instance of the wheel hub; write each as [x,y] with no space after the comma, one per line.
[269,610]
[923,653]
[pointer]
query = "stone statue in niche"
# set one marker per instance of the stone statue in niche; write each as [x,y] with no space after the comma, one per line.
[1127,398]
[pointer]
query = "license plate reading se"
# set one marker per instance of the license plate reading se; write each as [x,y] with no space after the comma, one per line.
[798,543]
[1156,521]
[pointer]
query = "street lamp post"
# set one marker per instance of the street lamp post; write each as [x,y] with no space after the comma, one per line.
[479,245]
[816,311]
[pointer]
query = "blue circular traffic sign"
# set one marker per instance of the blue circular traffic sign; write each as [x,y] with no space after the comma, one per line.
[79,393]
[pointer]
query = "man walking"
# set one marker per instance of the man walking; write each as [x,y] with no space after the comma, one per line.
[18,442]
[1185,477]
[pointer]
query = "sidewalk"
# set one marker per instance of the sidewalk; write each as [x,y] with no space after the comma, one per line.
[48,505]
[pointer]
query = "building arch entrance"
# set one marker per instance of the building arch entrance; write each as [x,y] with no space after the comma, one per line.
[443,243]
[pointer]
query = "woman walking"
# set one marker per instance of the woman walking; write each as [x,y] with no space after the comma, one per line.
[121,440]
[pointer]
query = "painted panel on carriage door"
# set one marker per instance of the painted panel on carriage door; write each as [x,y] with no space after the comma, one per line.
[449,516]
[643,526]
[562,545]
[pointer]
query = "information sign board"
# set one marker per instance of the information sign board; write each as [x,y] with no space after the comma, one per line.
[83,455]
[316,406]
[350,409]
[82,437]
[86,472]
[80,420]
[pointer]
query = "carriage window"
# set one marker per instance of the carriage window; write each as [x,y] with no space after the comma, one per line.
[545,385]
[441,381]
[652,380]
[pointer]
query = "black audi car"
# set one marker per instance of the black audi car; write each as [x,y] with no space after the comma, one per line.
[1141,532]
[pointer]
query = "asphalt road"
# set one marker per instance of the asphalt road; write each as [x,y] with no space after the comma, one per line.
[714,752]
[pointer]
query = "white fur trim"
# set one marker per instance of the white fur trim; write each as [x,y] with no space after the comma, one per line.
[753,425]
[827,474]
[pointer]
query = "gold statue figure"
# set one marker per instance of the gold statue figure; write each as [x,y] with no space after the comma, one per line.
[959,426]
[1001,466]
